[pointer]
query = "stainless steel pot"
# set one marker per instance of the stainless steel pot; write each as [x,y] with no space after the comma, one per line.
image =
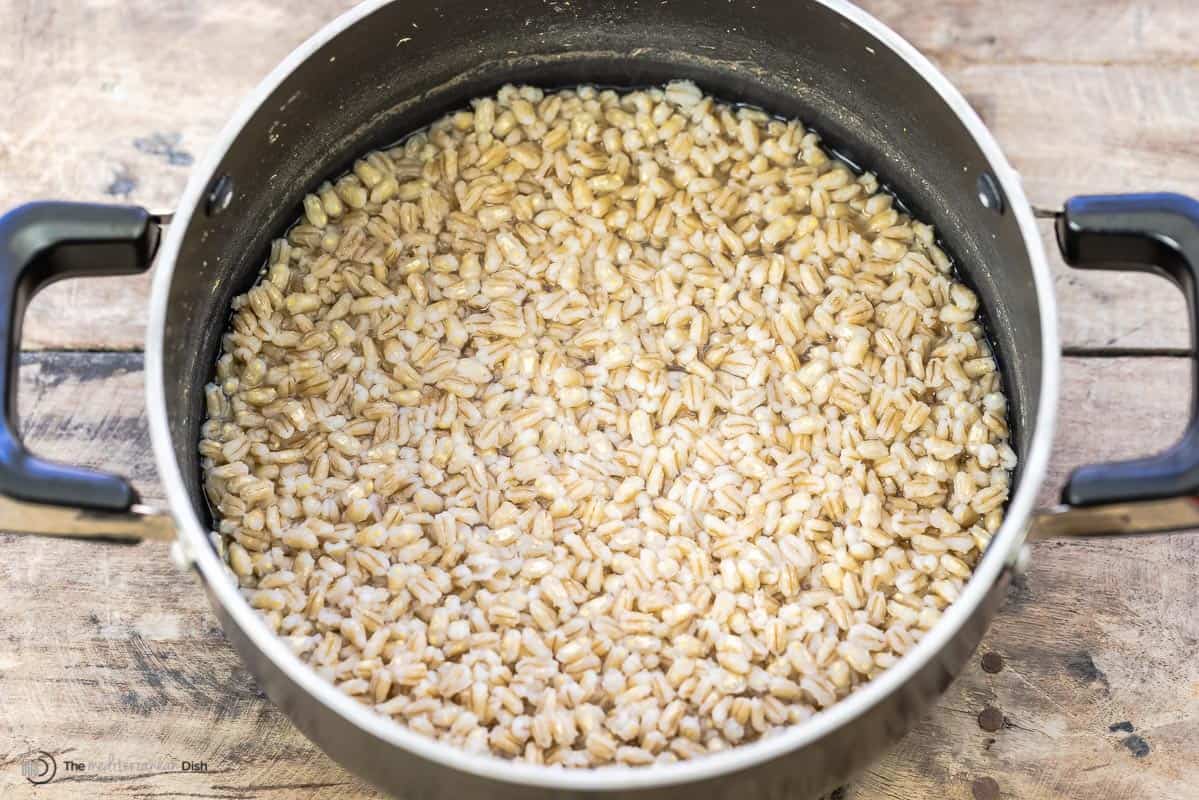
[387,68]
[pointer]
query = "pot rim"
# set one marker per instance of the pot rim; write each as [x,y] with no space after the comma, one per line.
[195,547]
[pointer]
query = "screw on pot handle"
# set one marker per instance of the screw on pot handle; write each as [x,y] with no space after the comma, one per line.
[1156,233]
[39,244]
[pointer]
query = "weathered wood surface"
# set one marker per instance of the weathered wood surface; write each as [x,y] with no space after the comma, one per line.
[107,653]
[108,100]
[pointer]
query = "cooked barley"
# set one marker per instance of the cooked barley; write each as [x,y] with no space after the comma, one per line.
[594,428]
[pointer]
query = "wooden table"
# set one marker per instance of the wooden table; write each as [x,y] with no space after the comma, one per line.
[1087,685]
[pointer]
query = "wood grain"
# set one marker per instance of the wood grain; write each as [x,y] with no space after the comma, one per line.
[1021,32]
[107,652]
[1083,97]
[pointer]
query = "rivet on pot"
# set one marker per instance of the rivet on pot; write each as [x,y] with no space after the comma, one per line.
[220,195]
[180,557]
[1023,560]
[989,194]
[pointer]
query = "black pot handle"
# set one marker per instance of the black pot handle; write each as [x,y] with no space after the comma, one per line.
[39,244]
[1156,233]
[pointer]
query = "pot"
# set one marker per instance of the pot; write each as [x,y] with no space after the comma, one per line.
[387,68]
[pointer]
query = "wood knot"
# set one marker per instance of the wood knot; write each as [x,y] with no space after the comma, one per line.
[990,719]
[985,789]
[992,662]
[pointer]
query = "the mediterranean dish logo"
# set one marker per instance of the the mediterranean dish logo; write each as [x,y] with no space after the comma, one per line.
[40,767]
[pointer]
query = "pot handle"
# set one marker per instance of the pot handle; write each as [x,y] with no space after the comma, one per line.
[1156,233]
[39,244]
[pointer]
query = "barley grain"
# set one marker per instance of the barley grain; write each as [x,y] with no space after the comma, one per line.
[597,428]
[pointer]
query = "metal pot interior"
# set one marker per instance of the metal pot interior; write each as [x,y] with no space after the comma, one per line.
[405,64]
